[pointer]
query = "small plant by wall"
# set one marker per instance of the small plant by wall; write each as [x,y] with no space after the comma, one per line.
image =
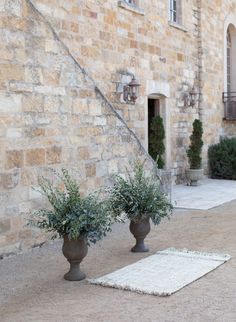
[156,141]
[222,159]
[195,148]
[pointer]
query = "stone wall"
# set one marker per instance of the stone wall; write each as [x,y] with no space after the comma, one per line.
[63,67]
[213,37]
[110,40]
[52,115]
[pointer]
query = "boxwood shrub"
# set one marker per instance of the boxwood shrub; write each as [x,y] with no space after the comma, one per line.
[222,159]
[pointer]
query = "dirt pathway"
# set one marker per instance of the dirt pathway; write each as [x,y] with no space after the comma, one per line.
[32,287]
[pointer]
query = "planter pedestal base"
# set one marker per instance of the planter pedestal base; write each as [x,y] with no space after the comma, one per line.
[140,247]
[74,273]
[74,251]
[140,231]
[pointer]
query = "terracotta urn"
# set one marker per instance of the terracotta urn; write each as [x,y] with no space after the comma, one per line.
[74,251]
[140,230]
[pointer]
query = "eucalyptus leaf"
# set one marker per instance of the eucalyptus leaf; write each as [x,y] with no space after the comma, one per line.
[139,196]
[70,213]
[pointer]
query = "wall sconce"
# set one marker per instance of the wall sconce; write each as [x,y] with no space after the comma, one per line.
[130,91]
[190,98]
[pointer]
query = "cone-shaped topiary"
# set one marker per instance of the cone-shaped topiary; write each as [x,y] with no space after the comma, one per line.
[156,141]
[195,148]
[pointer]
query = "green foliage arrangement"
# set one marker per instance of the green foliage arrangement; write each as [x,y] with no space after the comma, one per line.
[222,159]
[195,148]
[156,141]
[139,197]
[70,213]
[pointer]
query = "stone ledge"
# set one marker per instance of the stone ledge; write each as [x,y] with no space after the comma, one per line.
[131,7]
[177,26]
[229,121]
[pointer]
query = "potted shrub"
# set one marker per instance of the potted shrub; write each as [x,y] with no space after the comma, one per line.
[141,199]
[157,149]
[195,172]
[156,141]
[79,220]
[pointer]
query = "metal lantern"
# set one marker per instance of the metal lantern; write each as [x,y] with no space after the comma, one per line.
[193,96]
[190,98]
[130,91]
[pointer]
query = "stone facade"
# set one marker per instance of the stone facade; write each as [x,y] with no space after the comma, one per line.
[63,67]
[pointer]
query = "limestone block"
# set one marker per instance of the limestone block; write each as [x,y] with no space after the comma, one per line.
[101,169]
[83,153]
[14,133]
[14,159]
[65,104]
[14,7]
[79,140]
[119,150]
[53,155]
[25,234]
[20,87]
[9,180]
[3,240]
[33,75]
[42,119]
[34,132]
[112,166]
[32,103]
[90,169]
[69,78]
[80,106]
[95,107]
[34,193]
[51,104]
[10,103]
[100,121]
[2,5]
[34,157]
[29,176]
[10,71]
[5,225]
[95,151]
[52,46]
[16,223]
[45,90]
[12,210]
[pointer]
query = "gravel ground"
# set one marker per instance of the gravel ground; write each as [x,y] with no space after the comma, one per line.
[33,289]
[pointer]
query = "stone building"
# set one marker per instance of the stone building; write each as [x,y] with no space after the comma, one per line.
[64,65]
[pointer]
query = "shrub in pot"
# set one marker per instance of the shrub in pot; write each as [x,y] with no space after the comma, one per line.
[80,221]
[195,172]
[140,197]
[156,141]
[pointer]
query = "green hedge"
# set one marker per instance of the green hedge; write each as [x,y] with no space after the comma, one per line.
[222,159]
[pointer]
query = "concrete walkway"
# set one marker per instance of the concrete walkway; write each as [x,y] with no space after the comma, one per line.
[32,287]
[210,193]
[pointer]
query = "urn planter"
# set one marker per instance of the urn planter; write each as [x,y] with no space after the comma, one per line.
[85,219]
[140,230]
[193,176]
[74,251]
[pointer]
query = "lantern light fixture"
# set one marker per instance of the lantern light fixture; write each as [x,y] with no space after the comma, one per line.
[190,98]
[130,91]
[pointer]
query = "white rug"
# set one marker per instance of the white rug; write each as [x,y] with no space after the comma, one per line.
[164,273]
[209,194]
